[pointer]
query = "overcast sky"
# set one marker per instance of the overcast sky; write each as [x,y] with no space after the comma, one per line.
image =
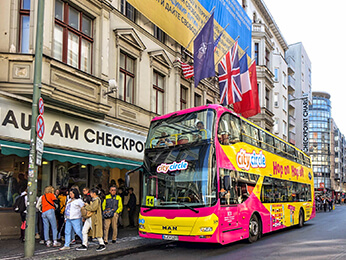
[320,26]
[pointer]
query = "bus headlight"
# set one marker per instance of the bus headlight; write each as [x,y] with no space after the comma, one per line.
[206,229]
[141,226]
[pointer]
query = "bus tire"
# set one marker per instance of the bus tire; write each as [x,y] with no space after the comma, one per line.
[301,218]
[254,229]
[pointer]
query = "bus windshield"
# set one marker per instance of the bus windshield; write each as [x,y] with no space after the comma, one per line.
[177,130]
[181,177]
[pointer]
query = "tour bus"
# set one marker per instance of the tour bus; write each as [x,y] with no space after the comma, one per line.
[212,176]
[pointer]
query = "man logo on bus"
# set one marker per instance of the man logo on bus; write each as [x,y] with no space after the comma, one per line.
[245,160]
[164,168]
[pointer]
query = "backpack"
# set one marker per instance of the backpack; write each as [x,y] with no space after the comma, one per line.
[19,204]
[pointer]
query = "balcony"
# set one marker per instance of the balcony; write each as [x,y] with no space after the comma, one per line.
[291,65]
[292,121]
[62,85]
[291,84]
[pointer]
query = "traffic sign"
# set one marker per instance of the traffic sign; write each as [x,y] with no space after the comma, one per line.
[40,127]
[40,106]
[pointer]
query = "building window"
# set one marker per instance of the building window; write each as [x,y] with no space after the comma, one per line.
[24,14]
[257,53]
[183,97]
[159,34]
[127,10]
[158,93]
[267,97]
[73,40]
[267,58]
[276,74]
[284,103]
[198,100]
[276,100]
[276,125]
[126,78]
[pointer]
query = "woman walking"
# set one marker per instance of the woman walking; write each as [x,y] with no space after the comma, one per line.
[48,216]
[73,217]
[94,223]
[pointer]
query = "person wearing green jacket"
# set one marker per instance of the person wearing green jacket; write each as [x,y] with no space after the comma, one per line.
[112,206]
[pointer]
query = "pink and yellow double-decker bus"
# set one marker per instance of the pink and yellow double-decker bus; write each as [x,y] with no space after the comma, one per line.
[212,176]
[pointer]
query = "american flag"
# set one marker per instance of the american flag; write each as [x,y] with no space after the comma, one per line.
[229,77]
[187,70]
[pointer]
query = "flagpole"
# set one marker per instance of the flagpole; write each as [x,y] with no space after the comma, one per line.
[199,29]
[227,50]
[222,30]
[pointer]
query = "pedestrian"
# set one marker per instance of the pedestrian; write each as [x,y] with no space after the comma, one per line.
[40,220]
[62,198]
[48,216]
[94,223]
[20,206]
[86,195]
[73,217]
[330,204]
[112,206]
[324,201]
[131,207]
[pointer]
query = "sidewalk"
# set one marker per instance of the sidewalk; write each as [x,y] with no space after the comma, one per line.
[128,241]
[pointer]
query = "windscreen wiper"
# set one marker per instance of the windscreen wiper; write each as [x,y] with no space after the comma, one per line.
[147,210]
[181,203]
[189,207]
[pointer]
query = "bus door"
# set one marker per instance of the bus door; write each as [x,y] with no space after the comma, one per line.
[228,216]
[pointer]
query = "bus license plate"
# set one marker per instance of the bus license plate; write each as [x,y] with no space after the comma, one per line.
[170,237]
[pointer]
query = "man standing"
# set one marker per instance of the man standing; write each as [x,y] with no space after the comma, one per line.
[131,207]
[111,206]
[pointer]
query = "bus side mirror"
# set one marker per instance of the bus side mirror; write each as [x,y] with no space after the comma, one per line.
[127,181]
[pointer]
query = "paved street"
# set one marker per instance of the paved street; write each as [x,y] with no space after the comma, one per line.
[324,237]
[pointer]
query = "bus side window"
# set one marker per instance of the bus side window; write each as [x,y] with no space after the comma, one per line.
[254,136]
[277,146]
[270,143]
[235,129]
[262,136]
[246,133]
[291,153]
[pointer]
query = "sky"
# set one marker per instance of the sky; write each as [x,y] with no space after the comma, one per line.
[319,25]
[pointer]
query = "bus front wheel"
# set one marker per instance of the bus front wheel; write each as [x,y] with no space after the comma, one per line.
[301,218]
[253,229]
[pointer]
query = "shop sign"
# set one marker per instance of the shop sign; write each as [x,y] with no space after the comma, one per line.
[70,132]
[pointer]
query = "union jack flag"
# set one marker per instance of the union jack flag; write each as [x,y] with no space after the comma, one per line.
[229,77]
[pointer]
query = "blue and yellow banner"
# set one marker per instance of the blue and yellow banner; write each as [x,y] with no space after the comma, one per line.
[182,19]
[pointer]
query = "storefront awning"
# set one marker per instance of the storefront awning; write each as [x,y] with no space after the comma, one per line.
[50,154]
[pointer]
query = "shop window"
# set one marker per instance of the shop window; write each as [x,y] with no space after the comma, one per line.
[127,78]
[73,38]
[13,178]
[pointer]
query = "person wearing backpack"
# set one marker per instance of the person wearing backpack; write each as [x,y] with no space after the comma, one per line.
[48,216]
[20,206]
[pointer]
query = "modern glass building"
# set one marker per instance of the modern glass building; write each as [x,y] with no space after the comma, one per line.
[320,132]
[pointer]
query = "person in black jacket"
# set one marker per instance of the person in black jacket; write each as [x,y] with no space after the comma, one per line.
[131,207]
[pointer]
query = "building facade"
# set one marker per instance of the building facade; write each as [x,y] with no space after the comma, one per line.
[321,139]
[300,95]
[107,71]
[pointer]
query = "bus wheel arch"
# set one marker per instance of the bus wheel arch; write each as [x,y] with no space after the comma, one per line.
[301,218]
[255,227]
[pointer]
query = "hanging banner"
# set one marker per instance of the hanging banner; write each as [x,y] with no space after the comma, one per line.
[181,20]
